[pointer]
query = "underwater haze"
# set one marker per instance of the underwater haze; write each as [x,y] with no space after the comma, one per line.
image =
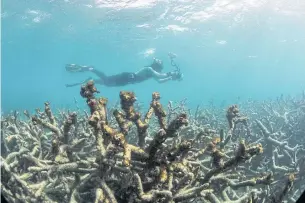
[226,49]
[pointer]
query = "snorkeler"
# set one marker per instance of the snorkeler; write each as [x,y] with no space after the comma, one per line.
[153,71]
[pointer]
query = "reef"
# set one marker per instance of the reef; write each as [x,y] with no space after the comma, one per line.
[251,152]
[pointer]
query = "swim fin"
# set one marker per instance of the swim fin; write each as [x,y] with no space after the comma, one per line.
[76,68]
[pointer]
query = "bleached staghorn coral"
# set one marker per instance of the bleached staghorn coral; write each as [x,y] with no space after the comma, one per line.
[279,126]
[72,160]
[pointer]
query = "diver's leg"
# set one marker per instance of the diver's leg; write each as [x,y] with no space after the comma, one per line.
[79,83]
[120,79]
[100,74]
[79,68]
[74,84]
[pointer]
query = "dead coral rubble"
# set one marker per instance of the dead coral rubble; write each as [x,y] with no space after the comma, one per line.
[91,158]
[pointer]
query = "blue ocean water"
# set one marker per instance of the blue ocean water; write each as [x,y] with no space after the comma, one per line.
[227,49]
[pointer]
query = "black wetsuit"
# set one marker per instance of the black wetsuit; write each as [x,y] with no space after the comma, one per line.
[120,79]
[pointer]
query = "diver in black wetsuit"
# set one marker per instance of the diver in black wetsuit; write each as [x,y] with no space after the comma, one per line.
[125,78]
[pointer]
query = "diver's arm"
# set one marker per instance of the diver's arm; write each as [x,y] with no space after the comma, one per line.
[154,73]
[163,80]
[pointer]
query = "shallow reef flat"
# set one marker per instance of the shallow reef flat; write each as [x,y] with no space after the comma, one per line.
[251,152]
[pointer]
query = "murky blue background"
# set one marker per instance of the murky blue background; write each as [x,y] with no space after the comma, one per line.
[226,49]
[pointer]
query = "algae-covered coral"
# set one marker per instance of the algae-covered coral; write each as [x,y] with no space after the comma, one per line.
[250,153]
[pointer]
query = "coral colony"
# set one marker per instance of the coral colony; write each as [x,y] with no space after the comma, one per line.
[118,155]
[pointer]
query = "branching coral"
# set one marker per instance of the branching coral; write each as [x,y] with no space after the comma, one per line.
[95,157]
